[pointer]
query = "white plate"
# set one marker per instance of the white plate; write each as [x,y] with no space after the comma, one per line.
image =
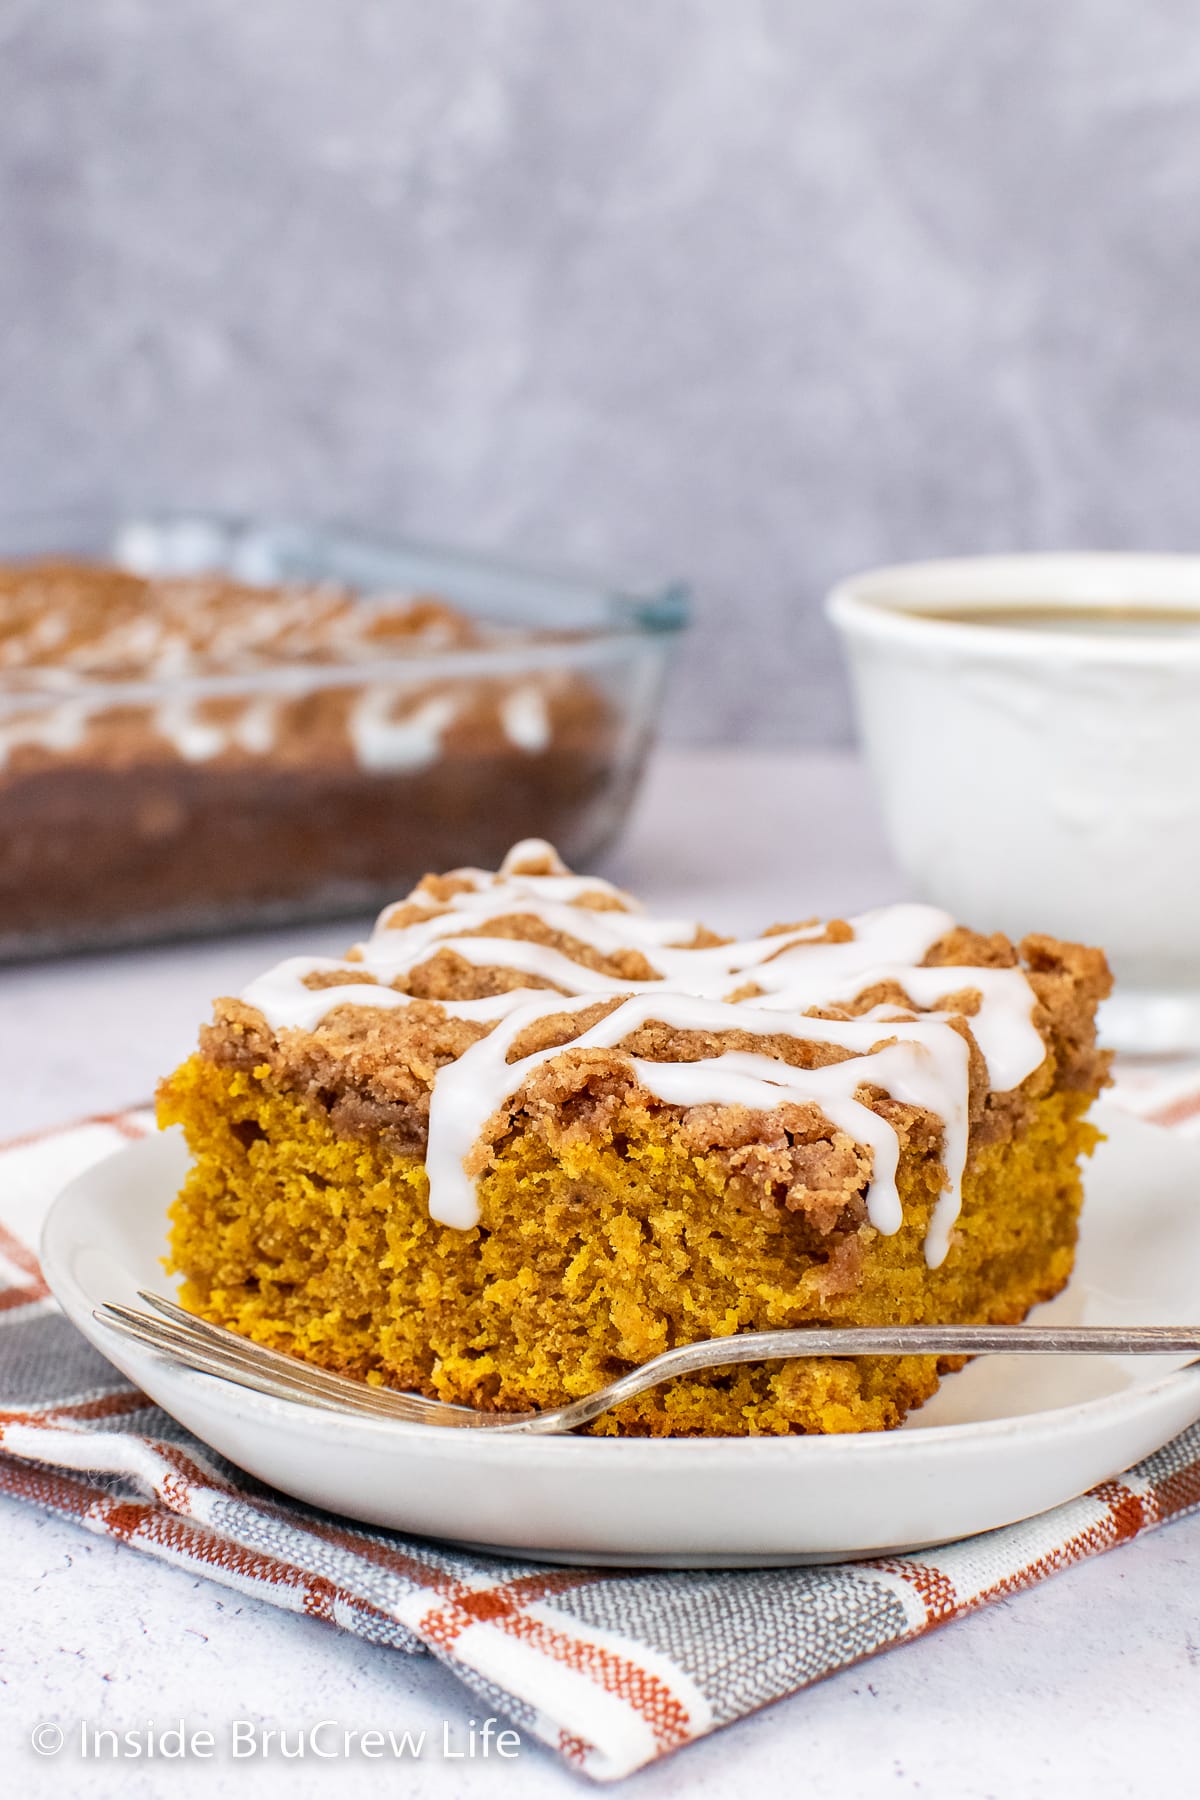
[1006,1438]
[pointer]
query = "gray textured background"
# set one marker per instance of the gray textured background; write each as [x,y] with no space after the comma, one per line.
[757,291]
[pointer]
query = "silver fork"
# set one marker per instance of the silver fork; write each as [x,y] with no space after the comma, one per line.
[213,1350]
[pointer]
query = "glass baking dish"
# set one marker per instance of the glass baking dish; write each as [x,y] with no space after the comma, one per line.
[148,805]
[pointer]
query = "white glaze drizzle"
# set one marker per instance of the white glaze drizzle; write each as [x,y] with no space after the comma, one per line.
[287,1005]
[255,728]
[525,718]
[926,1064]
[412,741]
[382,740]
[922,1061]
[60,728]
[196,739]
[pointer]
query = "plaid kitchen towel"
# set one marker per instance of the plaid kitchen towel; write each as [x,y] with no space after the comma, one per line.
[611,1668]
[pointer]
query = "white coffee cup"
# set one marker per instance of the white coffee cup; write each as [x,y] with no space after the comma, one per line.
[1045,776]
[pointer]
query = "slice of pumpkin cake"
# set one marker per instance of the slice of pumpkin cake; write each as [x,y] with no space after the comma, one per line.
[526,1136]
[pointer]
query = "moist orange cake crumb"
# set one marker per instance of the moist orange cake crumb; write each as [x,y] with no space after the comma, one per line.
[525,1138]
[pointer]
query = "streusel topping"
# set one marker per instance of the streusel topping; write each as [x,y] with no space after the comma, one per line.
[481,997]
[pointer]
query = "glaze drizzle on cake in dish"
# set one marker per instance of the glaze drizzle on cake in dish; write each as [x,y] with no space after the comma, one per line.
[526,1135]
[179,752]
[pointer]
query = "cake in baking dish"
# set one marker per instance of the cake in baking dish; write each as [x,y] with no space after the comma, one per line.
[180,753]
[526,1136]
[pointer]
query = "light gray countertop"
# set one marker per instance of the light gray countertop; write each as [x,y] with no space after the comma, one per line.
[1090,1684]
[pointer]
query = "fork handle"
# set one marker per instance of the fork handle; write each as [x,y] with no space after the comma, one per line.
[946,1340]
[869,1340]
